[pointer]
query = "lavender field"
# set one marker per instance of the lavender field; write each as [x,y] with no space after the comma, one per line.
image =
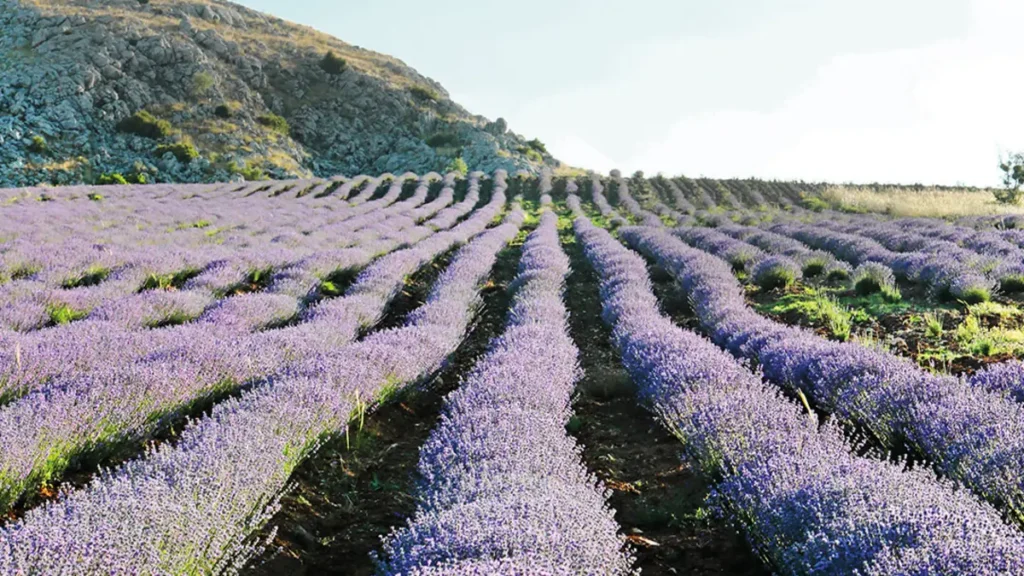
[488,373]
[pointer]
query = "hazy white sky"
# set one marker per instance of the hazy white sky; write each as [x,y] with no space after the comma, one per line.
[843,90]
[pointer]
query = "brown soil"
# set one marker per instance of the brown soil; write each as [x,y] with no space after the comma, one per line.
[660,499]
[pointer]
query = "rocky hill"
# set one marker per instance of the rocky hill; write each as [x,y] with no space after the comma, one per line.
[203,90]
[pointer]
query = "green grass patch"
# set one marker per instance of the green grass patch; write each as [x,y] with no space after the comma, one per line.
[90,277]
[173,280]
[176,318]
[61,313]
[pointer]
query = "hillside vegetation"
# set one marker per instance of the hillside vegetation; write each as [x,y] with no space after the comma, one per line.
[206,90]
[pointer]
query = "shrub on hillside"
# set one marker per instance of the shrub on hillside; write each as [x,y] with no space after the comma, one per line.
[333,64]
[443,140]
[38,145]
[118,178]
[248,171]
[457,165]
[144,124]
[108,179]
[274,122]
[183,151]
[223,111]
[202,82]
[425,94]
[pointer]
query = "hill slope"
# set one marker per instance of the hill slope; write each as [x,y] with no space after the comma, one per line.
[219,74]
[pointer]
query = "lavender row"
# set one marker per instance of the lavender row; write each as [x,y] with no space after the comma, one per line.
[112,266]
[970,435]
[990,255]
[945,277]
[502,487]
[606,210]
[679,199]
[194,507]
[765,270]
[630,203]
[33,360]
[43,432]
[812,262]
[804,499]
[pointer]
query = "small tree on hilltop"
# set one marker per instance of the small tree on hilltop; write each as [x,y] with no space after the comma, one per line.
[1013,179]
[333,64]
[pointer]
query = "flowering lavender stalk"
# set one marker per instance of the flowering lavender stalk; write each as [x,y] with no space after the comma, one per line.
[501,482]
[193,507]
[890,397]
[805,500]
[1004,378]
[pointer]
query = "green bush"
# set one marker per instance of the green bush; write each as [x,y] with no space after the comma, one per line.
[248,171]
[539,146]
[38,145]
[333,64]
[814,204]
[457,165]
[223,111]
[274,122]
[425,94]
[202,82]
[144,124]
[108,179]
[61,313]
[443,140]
[183,151]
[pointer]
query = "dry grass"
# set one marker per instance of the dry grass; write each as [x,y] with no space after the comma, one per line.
[927,202]
[66,165]
[566,171]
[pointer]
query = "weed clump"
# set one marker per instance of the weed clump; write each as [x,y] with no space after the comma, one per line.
[144,124]
[274,122]
[424,94]
[183,151]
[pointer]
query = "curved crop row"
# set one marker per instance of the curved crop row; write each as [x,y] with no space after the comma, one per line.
[630,203]
[193,508]
[42,433]
[30,362]
[805,500]
[606,210]
[503,489]
[812,262]
[944,276]
[970,435]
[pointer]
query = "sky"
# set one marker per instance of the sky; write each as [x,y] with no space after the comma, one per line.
[905,91]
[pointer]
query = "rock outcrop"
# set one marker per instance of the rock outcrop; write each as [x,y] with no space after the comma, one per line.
[222,76]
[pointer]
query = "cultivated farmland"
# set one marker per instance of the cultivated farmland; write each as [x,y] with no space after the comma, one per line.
[506,374]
